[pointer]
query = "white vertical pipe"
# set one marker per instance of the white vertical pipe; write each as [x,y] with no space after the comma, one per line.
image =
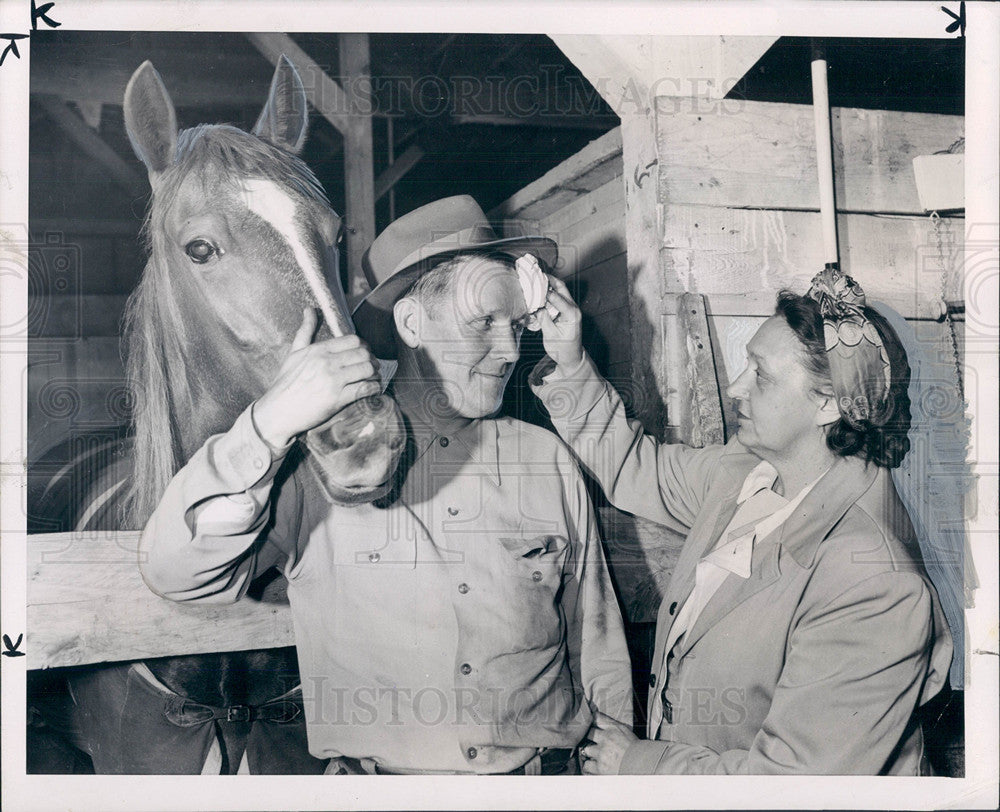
[824,161]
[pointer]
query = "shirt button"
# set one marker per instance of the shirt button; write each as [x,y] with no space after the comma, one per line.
[374,557]
[652,680]
[673,607]
[463,588]
[258,463]
[536,576]
[472,752]
[466,669]
[444,442]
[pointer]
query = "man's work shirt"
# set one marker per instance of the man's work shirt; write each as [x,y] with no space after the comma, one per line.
[456,629]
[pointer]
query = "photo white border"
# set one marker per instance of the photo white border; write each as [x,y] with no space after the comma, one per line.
[840,18]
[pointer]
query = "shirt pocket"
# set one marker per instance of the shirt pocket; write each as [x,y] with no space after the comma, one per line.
[540,559]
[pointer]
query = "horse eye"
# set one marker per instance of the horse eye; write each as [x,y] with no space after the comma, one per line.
[201,251]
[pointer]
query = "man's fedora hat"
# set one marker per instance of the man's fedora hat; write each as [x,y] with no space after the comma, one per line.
[409,246]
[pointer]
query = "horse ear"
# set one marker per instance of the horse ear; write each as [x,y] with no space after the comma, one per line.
[285,117]
[150,120]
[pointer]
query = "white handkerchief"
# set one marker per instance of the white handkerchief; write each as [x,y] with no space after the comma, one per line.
[535,288]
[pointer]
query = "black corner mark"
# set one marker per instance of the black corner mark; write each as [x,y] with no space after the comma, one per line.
[40,14]
[958,20]
[11,649]
[37,13]
[11,45]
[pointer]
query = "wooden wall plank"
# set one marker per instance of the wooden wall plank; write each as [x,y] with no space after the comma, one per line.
[603,287]
[734,255]
[587,243]
[609,341]
[593,166]
[87,603]
[602,204]
[762,154]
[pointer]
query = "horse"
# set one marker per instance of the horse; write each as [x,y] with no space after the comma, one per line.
[241,237]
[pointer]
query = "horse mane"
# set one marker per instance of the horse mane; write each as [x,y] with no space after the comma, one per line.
[154,337]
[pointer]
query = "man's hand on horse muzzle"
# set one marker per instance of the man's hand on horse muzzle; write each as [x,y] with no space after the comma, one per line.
[315,382]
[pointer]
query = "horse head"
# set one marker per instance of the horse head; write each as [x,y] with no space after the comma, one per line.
[241,238]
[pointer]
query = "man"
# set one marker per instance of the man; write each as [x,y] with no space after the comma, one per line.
[799,632]
[464,624]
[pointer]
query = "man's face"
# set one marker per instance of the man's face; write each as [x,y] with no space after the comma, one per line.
[469,346]
[777,410]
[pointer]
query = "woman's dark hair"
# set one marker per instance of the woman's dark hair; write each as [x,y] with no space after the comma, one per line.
[885,444]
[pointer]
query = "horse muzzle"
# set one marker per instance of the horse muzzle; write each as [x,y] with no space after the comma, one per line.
[355,453]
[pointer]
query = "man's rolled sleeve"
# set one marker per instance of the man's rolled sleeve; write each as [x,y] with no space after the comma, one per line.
[665,483]
[201,543]
[596,633]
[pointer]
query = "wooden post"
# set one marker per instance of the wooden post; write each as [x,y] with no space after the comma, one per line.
[633,74]
[359,173]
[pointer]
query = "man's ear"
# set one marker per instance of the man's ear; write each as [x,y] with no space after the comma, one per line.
[408,315]
[827,411]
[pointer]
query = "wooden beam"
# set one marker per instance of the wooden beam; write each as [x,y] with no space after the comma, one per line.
[99,74]
[433,68]
[630,71]
[403,164]
[359,171]
[324,94]
[87,603]
[540,121]
[92,144]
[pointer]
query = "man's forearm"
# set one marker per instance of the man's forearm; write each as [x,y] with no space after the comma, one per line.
[201,543]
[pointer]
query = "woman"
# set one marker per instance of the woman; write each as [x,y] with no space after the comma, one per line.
[799,632]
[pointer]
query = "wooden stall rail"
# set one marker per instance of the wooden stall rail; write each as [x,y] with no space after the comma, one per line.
[87,603]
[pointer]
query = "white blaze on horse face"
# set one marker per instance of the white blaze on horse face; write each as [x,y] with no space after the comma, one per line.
[270,202]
